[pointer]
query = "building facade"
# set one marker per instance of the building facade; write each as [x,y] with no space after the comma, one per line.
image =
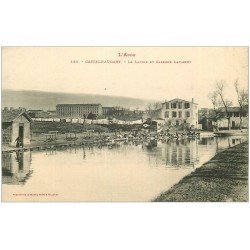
[78,110]
[177,112]
[211,121]
[15,123]
[236,116]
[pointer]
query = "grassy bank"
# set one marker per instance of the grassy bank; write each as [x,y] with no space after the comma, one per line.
[38,127]
[223,178]
[64,127]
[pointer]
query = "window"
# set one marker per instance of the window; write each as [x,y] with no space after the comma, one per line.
[179,105]
[187,114]
[174,114]
[180,114]
[187,105]
[167,114]
[173,105]
[177,123]
[167,105]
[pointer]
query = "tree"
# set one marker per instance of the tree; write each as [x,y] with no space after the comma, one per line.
[153,109]
[91,116]
[219,88]
[156,105]
[242,97]
[213,97]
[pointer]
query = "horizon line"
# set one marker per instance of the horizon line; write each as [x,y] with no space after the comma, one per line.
[73,93]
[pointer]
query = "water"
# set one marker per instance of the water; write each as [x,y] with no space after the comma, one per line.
[125,172]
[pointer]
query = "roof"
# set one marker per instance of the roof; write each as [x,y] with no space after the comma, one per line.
[108,107]
[230,109]
[211,114]
[11,115]
[83,104]
[178,99]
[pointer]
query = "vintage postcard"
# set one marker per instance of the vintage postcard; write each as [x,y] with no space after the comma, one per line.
[124,124]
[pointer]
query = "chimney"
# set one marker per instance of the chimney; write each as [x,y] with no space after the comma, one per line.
[192,100]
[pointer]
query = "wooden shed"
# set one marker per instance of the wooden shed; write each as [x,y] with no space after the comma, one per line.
[15,123]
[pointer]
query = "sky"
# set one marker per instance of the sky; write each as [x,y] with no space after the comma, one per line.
[51,69]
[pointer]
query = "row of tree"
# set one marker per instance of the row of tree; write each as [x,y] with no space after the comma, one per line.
[221,104]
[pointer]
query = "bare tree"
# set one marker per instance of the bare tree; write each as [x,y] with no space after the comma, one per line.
[157,105]
[224,102]
[153,109]
[213,97]
[242,97]
[149,107]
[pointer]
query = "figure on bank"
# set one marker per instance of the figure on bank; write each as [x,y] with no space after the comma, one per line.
[19,142]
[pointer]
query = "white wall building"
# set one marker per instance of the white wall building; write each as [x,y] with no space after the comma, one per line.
[234,113]
[178,111]
[78,110]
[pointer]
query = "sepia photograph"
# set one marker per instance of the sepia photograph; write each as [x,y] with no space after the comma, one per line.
[125,124]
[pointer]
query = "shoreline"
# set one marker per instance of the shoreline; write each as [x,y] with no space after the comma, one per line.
[224,178]
[38,142]
[44,146]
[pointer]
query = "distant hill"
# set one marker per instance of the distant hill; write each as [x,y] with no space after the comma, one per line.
[49,100]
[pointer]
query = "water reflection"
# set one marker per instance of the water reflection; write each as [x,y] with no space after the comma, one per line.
[222,142]
[170,154]
[16,167]
[189,152]
[119,172]
[180,153]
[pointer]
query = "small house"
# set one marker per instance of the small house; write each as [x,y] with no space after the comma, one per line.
[15,123]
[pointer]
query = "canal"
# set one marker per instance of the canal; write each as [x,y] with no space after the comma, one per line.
[123,172]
